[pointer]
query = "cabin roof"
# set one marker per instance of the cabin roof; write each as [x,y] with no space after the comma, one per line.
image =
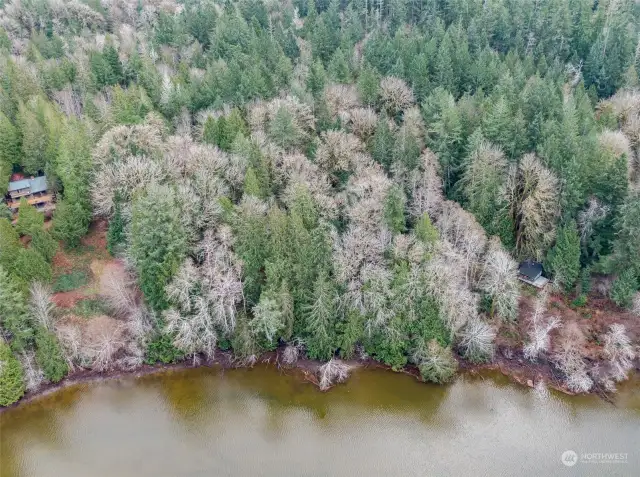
[35,184]
[530,269]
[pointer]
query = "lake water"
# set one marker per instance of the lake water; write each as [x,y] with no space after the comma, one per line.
[261,422]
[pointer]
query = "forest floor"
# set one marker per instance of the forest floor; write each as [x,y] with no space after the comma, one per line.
[79,277]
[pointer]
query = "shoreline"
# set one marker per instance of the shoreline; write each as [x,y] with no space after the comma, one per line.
[519,371]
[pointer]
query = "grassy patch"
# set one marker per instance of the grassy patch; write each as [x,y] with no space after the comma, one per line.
[70,281]
[90,307]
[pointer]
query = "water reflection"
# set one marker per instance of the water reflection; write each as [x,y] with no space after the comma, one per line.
[268,422]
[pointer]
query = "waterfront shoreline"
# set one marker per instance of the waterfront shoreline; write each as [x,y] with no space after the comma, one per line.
[518,370]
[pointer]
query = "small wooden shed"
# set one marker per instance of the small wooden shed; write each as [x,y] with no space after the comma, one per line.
[530,272]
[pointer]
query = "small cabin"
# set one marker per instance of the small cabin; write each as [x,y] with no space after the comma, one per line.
[34,190]
[530,272]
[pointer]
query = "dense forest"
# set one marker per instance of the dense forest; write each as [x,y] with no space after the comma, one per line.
[335,178]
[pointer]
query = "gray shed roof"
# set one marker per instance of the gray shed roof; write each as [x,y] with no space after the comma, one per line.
[37,184]
[530,269]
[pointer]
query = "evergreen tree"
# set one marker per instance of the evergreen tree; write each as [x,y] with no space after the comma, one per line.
[11,376]
[445,76]
[31,266]
[33,139]
[9,151]
[49,356]
[70,222]
[382,143]
[563,260]
[110,55]
[10,241]
[394,207]
[320,316]
[624,287]
[116,233]
[283,129]
[317,78]
[14,320]
[158,242]
[29,219]
[368,85]
[339,68]
[43,243]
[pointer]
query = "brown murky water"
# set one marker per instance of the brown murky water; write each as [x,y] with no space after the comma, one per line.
[258,422]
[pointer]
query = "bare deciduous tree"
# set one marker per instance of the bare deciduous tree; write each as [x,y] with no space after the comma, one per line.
[499,279]
[532,193]
[476,341]
[40,305]
[618,350]
[292,352]
[568,359]
[363,122]
[589,217]
[426,187]
[395,94]
[332,372]
[338,150]
[33,375]
[539,329]
[341,100]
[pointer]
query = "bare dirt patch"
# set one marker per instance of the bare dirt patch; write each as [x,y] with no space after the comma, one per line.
[91,259]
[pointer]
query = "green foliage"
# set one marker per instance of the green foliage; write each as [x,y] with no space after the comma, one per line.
[320,315]
[70,222]
[13,312]
[394,210]
[11,376]
[158,242]
[10,244]
[317,78]
[426,231]
[116,233]
[563,260]
[43,243]
[161,350]
[31,266]
[29,219]
[9,151]
[49,356]
[89,307]
[624,287]
[579,301]
[70,281]
[369,85]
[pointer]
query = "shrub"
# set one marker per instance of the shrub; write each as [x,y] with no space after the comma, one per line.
[579,301]
[49,356]
[161,349]
[70,281]
[91,307]
[11,376]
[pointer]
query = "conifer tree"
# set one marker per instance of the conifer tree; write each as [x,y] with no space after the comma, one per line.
[563,260]
[29,219]
[158,242]
[320,316]
[11,376]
